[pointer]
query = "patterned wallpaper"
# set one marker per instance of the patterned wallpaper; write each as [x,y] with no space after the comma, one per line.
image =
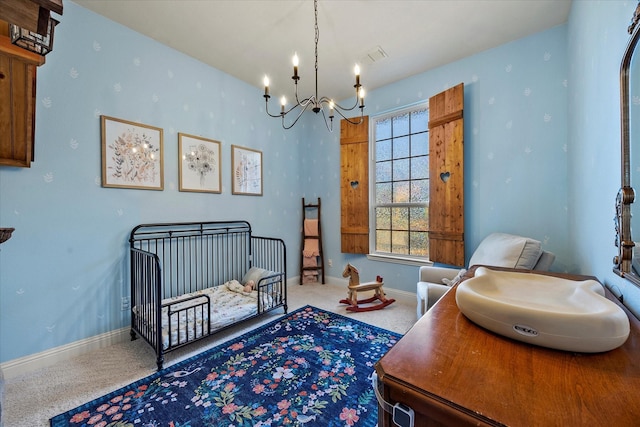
[64,272]
[516,145]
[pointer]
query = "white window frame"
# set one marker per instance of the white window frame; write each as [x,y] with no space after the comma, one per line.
[385,256]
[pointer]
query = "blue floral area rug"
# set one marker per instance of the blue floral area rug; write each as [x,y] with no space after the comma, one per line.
[310,367]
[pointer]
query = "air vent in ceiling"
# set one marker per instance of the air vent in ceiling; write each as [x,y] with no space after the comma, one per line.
[376,54]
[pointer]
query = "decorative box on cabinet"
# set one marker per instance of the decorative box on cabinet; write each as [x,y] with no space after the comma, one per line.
[17,103]
[452,372]
[32,15]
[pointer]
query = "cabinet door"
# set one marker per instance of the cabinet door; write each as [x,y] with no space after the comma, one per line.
[17,111]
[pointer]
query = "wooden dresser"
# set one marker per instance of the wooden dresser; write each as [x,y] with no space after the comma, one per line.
[452,372]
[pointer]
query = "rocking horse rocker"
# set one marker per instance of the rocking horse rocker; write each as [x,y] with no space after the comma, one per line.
[355,286]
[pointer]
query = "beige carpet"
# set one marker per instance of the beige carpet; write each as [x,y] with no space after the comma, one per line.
[31,399]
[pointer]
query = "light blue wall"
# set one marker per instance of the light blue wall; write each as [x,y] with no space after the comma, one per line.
[516,130]
[597,38]
[63,273]
[541,159]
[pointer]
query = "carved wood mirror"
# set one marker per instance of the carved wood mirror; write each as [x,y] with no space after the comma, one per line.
[627,262]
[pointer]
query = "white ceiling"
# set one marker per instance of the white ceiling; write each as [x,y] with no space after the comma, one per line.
[251,38]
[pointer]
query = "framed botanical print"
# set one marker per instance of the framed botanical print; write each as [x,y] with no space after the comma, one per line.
[199,164]
[246,173]
[132,155]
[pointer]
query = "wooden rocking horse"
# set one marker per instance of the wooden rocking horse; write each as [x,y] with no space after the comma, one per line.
[355,286]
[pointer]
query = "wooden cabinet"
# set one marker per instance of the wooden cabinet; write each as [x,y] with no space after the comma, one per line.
[32,15]
[452,372]
[17,103]
[18,78]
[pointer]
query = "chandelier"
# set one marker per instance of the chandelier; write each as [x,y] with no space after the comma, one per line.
[316,103]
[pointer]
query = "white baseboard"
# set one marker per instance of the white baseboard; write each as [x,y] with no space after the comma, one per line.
[22,365]
[32,362]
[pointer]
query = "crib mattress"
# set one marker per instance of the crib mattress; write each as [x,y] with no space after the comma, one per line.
[228,305]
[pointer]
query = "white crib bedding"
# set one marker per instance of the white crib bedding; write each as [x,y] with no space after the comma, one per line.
[228,304]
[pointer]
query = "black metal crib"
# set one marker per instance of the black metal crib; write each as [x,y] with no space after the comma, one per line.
[171,264]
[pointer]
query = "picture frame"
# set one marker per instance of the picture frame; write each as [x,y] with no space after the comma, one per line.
[246,171]
[199,166]
[132,154]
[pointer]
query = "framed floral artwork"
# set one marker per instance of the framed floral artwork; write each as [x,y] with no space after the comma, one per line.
[199,164]
[246,173]
[132,155]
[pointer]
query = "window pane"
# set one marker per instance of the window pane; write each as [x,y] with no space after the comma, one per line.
[383,150]
[401,125]
[401,147]
[383,241]
[400,169]
[401,185]
[420,167]
[383,193]
[419,121]
[420,144]
[400,192]
[383,129]
[399,218]
[419,219]
[419,243]
[400,242]
[420,191]
[383,218]
[383,171]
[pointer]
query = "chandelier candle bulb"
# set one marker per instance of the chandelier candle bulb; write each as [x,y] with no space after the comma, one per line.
[361,95]
[266,86]
[283,102]
[296,61]
[356,70]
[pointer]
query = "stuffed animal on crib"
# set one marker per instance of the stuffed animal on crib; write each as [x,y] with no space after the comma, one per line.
[235,286]
[249,286]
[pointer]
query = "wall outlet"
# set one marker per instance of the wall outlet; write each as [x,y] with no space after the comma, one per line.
[125,304]
[330,263]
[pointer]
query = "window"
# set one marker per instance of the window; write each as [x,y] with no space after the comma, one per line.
[400,183]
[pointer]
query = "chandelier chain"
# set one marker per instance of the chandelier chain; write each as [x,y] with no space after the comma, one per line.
[317,39]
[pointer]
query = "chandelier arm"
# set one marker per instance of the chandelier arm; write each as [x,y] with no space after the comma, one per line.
[351,120]
[302,110]
[326,100]
[305,103]
[329,127]
[266,104]
[296,93]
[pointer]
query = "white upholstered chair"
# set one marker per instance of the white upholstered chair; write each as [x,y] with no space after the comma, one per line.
[497,249]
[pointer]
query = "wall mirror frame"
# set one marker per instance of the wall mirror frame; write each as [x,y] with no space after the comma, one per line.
[627,262]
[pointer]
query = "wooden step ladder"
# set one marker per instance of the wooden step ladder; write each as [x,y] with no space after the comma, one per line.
[311,255]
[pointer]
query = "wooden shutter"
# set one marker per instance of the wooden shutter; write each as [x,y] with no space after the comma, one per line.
[354,187]
[446,177]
